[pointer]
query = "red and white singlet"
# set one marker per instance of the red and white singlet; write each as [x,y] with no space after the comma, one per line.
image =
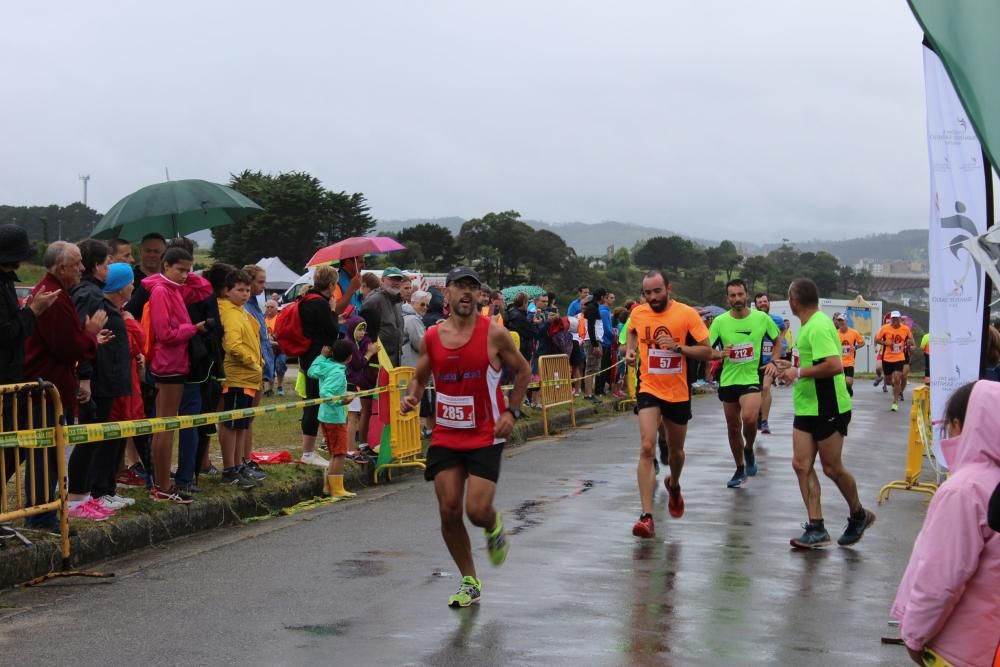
[467,389]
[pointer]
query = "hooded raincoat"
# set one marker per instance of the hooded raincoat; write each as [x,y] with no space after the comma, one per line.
[170,323]
[949,598]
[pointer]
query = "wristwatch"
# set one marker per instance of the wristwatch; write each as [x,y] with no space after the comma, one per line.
[514,412]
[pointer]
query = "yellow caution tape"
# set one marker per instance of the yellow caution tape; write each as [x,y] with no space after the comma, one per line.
[78,434]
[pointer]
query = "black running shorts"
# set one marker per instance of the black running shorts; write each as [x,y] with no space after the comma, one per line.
[821,428]
[482,462]
[732,393]
[678,413]
[890,367]
[849,371]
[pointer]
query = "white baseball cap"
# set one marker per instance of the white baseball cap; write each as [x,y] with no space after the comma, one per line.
[895,313]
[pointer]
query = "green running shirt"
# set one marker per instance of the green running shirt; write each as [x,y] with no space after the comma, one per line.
[827,397]
[746,336]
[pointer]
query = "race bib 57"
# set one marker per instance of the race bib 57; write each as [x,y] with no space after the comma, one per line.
[664,362]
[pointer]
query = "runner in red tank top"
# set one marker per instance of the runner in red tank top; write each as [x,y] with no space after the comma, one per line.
[465,354]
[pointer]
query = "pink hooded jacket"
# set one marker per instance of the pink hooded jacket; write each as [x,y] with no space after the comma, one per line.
[949,599]
[170,323]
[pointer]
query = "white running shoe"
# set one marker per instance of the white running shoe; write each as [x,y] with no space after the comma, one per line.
[313,458]
[127,502]
[109,502]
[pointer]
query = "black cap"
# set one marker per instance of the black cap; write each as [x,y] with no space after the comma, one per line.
[460,272]
[14,245]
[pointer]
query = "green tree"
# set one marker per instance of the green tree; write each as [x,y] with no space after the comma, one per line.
[74,222]
[845,278]
[496,243]
[299,217]
[430,247]
[756,270]
[727,258]
[667,252]
[546,256]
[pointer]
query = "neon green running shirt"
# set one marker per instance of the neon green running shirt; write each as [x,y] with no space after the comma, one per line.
[746,336]
[826,397]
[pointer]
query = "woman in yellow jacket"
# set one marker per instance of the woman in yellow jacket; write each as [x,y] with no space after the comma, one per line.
[244,374]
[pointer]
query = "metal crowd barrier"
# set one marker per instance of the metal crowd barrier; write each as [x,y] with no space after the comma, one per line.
[28,407]
[556,386]
[404,430]
[919,444]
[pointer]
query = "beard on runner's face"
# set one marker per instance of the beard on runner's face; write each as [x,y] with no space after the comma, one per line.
[462,302]
[657,303]
[737,303]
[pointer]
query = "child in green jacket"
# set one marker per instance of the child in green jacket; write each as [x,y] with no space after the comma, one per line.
[331,371]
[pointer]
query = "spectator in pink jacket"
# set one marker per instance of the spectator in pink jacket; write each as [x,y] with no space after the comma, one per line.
[948,603]
[170,329]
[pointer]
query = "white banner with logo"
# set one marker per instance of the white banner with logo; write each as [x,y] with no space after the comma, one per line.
[957,215]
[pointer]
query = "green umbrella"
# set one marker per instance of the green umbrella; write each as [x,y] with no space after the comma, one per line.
[533,291]
[174,208]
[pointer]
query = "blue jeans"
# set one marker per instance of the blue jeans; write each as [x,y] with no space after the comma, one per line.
[187,439]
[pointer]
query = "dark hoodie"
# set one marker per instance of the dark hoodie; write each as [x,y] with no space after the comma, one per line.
[360,373]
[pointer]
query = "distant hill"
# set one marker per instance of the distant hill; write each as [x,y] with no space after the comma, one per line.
[907,244]
[584,238]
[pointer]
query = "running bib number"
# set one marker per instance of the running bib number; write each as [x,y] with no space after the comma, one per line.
[847,350]
[897,348]
[766,348]
[795,358]
[455,411]
[741,353]
[664,362]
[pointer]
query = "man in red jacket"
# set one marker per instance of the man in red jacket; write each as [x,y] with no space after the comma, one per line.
[58,343]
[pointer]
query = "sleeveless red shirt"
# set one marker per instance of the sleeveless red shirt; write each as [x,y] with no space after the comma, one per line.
[467,388]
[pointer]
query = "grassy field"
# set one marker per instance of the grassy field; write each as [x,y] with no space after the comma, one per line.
[30,274]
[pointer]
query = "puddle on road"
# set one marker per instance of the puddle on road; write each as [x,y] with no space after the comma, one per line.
[324,630]
[529,513]
[361,568]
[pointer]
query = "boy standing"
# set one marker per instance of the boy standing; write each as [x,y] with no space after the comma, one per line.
[330,368]
[244,371]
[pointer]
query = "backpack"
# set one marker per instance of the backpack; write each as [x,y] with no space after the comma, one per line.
[288,329]
[562,340]
[147,328]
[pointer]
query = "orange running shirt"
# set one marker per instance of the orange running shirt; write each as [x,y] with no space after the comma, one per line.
[849,340]
[663,373]
[895,342]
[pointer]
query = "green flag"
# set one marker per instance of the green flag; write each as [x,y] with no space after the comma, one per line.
[385,447]
[964,35]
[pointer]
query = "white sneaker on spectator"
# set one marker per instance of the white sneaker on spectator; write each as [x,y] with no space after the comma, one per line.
[109,502]
[313,458]
[125,500]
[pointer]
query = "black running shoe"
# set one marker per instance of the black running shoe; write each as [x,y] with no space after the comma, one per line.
[814,538]
[234,477]
[252,470]
[856,529]
[737,479]
[750,458]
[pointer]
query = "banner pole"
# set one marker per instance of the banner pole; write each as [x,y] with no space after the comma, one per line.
[988,285]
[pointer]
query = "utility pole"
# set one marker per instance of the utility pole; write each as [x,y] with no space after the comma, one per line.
[84,178]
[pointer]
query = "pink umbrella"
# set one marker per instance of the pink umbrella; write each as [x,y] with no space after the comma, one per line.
[356,246]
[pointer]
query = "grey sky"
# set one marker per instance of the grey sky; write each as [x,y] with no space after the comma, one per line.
[739,119]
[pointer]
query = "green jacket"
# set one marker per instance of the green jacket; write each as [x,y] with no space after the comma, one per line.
[332,376]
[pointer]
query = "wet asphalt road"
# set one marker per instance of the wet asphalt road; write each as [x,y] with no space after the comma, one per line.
[365,582]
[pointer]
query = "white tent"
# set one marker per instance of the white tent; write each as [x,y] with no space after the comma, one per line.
[279,276]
